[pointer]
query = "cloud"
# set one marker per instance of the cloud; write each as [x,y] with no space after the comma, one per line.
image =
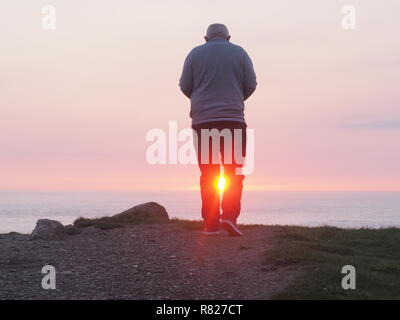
[377,124]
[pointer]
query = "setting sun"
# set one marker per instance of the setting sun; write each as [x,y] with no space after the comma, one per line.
[221,183]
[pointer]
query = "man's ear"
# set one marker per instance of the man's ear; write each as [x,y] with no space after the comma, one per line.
[205,38]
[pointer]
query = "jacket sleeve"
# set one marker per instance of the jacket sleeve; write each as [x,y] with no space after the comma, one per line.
[186,80]
[249,79]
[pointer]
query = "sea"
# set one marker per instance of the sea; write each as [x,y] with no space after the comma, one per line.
[19,210]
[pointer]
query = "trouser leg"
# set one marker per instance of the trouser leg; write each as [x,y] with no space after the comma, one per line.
[231,201]
[210,210]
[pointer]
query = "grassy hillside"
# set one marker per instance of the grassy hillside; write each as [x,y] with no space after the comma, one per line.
[322,252]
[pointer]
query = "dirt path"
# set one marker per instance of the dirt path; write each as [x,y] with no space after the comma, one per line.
[142,262]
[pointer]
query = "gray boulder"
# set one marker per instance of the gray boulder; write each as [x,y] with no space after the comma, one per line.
[150,212]
[48,230]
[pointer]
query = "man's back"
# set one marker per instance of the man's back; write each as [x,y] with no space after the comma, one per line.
[215,76]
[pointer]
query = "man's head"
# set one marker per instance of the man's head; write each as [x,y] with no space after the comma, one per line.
[217,30]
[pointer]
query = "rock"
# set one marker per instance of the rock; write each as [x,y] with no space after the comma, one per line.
[48,230]
[146,212]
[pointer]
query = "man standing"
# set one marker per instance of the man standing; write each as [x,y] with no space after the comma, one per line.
[218,77]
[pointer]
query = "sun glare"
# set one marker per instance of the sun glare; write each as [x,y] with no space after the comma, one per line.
[221,183]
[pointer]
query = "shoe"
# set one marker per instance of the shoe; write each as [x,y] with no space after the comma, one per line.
[231,228]
[210,232]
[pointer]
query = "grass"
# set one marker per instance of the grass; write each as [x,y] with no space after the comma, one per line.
[323,251]
[198,225]
[106,223]
[188,224]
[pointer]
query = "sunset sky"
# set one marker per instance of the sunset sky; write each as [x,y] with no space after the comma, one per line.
[76,102]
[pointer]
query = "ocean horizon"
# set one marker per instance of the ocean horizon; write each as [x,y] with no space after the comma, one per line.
[19,210]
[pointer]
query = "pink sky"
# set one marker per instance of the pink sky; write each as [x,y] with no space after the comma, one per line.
[76,103]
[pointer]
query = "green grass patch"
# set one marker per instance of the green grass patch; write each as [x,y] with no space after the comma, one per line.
[323,251]
[188,224]
[198,224]
[106,223]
